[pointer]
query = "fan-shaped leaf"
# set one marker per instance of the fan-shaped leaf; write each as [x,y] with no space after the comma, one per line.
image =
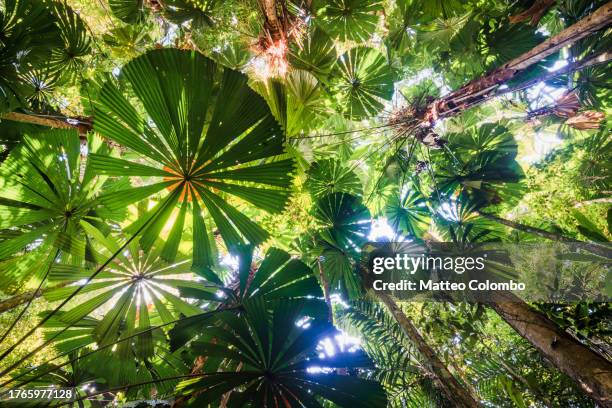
[362,78]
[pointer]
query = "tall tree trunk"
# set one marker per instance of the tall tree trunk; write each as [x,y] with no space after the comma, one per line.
[273,24]
[534,13]
[452,390]
[593,247]
[602,200]
[13,302]
[588,369]
[325,286]
[479,90]
[83,125]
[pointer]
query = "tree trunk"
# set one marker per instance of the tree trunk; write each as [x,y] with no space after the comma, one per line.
[479,90]
[273,26]
[83,125]
[22,298]
[586,62]
[534,13]
[602,200]
[325,286]
[592,247]
[452,390]
[588,369]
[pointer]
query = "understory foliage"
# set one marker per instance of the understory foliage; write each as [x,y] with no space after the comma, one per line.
[186,188]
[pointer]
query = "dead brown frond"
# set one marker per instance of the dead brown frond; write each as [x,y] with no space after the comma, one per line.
[586,120]
[567,105]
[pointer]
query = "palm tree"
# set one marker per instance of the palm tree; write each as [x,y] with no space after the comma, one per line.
[205,135]
[271,358]
[48,192]
[142,289]
[481,89]
[44,46]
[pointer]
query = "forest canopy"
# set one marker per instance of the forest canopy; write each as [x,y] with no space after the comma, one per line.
[189,190]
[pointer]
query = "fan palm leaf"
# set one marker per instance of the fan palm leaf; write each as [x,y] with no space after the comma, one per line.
[128,11]
[47,187]
[277,277]
[348,20]
[409,213]
[202,129]
[361,79]
[197,12]
[330,176]
[274,355]
[28,35]
[134,292]
[76,376]
[76,42]
[317,54]
[483,163]
[344,224]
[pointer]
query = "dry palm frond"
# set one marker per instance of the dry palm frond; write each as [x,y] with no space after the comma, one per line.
[567,105]
[586,120]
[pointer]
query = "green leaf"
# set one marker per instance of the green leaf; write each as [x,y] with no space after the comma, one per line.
[277,353]
[128,11]
[409,214]
[361,79]
[317,54]
[330,176]
[348,20]
[197,126]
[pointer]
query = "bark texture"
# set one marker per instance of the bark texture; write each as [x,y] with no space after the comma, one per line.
[483,88]
[325,285]
[83,125]
[22,298]
[588,369]
[452,390]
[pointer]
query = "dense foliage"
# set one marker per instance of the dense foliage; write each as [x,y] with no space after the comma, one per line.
[186,187]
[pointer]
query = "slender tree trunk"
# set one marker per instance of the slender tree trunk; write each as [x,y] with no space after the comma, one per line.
[481,89]
[602,200]
[325,286]
[22,298]
[270,11]
[593,247]
[588,369]
[534,13]
[453,391]
[586,62]
[83,125]
[36,120]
